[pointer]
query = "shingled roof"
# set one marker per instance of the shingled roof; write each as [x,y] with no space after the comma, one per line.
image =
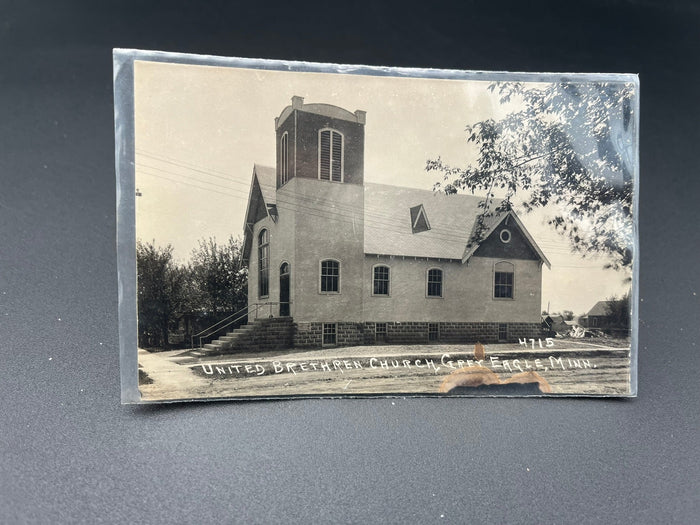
[388,228]
[601,308]
[452,222]
[389,222]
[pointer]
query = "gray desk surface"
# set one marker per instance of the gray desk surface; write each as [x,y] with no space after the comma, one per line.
[71,453]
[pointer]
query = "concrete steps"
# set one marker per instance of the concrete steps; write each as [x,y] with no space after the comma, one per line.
[275,333]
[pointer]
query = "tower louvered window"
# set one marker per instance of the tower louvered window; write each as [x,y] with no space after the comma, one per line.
[330,163]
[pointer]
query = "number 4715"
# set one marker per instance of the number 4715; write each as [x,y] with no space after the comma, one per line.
[548,342]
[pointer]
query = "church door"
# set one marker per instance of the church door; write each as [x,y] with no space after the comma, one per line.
[284,290]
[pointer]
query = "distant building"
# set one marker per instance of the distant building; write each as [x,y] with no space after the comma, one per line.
[599,317]
[349,262]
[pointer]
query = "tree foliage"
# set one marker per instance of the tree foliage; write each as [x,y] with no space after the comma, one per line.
[162,292]
[566,144]
[208,288]
[618,311]
[219,278]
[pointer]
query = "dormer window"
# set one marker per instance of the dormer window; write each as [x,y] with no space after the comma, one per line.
[419,219]
[284,159]
[330,155]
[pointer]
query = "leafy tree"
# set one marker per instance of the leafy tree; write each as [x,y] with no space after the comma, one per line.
[219,279]
[567,144]
[568,315]
[618,311]
[162,292]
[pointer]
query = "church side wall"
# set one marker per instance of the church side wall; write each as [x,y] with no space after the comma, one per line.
[329,225]
[467,292]
[281,250]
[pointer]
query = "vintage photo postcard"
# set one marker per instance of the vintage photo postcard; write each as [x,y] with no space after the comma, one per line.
[297,230]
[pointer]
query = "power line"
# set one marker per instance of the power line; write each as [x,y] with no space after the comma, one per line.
[384,220]
[213,173]
[338,210]
[210,173]
[229,179]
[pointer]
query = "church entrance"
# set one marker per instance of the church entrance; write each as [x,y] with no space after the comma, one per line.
[284,290]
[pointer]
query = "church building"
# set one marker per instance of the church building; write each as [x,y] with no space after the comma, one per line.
[350,263]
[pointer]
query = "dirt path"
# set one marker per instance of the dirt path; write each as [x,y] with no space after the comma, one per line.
[570,367]
[169,379]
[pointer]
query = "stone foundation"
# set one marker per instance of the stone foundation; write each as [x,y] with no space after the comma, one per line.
[310,335]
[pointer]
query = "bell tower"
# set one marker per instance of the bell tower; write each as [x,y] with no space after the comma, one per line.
[320,141]
[320,199]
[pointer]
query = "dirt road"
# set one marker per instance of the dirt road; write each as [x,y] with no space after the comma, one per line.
[570,367]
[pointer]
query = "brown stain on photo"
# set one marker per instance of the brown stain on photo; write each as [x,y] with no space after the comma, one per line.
[479,352]
[477,376]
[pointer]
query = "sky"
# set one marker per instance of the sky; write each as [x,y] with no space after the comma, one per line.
[200,129]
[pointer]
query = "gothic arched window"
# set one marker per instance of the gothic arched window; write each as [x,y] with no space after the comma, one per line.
[264,263]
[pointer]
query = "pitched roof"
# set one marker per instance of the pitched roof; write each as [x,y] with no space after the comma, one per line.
[492,222]
[267,179]
[600,308]
[389,221]
[262,195]
[388,228]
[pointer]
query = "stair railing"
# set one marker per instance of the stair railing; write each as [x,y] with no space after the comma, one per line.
[228,321]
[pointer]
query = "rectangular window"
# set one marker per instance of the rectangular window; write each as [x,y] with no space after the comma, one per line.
[381,280]
[330,276]
[433,331]
[330,331]
[380,332]
[435,283]
[502,331]
[503,285]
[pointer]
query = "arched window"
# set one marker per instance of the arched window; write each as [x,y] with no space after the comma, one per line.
[503,280]
[264,263]
[330,155]
[434,284]
[284,159]
[380,280]
[330,276]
